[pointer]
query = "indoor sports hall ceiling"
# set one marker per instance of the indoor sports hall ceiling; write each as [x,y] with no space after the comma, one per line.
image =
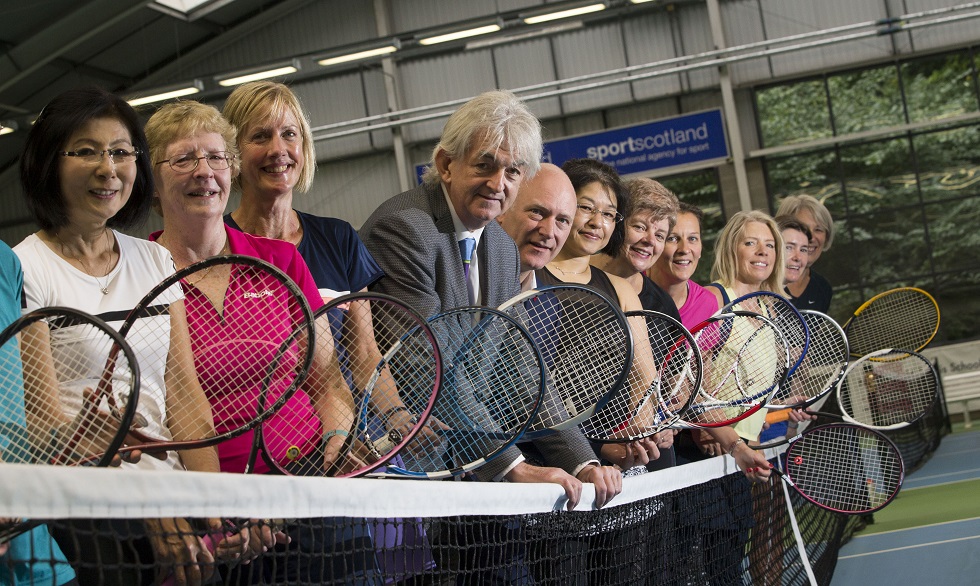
[48,46]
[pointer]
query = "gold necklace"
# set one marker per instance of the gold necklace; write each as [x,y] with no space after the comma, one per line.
[564,272]
[103,287]
[207,271]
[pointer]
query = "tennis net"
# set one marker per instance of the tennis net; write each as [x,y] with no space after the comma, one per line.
[701,523]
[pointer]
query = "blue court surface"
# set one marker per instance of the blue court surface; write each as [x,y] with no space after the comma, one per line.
[938,554]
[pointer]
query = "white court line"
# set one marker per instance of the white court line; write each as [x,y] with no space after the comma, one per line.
[957,473]
[917,527]
[860,555]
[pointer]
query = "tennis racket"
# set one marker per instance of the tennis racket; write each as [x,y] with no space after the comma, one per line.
[58,367]
[645,407]
[906,318]
[844,468]
[388,353]
[492,387]
[587,348]
[225,343]
[822,367]
[887,389]
[745,359]
[786,317]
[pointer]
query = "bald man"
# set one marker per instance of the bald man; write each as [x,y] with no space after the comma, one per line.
[540,219]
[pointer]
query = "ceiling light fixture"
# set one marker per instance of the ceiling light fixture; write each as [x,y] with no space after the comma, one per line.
[168,93]
[360,55]
[6,127]
[257,74]
[453,36]
[537,19]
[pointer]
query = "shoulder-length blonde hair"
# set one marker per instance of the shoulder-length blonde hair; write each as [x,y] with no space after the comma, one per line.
[269,99]
[725,267]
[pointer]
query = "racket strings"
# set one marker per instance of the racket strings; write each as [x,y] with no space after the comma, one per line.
[787,319]
[906,318]
[57,384]
[387,356]
[745,359]
[586,346]
[889,389]
[490,392]
[822,366]
[846,468]
[645,406]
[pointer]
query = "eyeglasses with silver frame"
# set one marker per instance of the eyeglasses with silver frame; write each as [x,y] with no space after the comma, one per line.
[187,162]
[92,156]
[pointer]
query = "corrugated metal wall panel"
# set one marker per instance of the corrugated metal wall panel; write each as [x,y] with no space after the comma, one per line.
[409,15]
[650,39]
[524,64]
[742,24]
[591,50]
[695,34]
[935,37]
[441,78]
[642,113]
[789,17]
[335,99]
[351,190]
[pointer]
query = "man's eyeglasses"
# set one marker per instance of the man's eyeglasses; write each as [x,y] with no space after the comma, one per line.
[187,162]
[93,156]
[607,216]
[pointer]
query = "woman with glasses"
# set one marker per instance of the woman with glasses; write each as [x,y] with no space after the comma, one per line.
[195,160]
[85,174]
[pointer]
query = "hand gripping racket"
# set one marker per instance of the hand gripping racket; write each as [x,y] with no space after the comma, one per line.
[844,468]
[225,343]
[905,318]
[643,407]
[887,389]
[492,386]
[745,359]
[58,368]
[786,317]
[587,348]
[389,356]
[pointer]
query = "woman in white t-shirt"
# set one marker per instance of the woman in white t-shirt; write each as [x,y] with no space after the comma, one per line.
[85,172]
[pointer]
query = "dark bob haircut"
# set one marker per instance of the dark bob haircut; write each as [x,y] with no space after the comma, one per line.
[582,172]
[40,175]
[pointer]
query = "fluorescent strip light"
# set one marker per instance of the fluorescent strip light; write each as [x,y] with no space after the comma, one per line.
[358,56]
[482,30]
[564,13]
[525,35]
[4,129]
[278,72]
[640,1]
[168,95]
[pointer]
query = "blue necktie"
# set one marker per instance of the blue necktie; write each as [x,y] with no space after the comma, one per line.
[466,246]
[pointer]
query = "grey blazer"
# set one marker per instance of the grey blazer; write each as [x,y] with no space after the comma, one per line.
[413,238]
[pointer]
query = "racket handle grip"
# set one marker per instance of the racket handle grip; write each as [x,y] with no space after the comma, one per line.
[777,416]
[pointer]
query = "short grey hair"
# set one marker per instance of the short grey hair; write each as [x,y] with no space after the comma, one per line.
[793,204]
[494,118]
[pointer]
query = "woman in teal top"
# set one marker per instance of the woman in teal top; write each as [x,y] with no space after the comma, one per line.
[33,557]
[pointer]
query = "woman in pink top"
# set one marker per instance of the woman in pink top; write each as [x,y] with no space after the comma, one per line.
[195,158]
[677,264]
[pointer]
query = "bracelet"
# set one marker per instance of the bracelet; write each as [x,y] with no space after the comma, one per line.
[731,448]
[386,416]
[333,432]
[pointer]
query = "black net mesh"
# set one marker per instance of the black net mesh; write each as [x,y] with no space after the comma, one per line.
[719,529]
